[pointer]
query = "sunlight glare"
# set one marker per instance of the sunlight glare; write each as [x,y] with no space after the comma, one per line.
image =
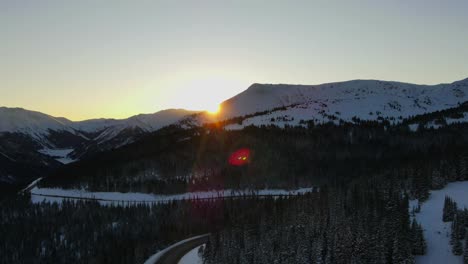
[213,110]
[203,93]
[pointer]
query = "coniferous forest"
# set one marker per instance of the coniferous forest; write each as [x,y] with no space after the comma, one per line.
[365,175]
[330,225]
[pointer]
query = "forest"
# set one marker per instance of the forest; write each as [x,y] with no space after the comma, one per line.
[365,174]
[176,160]
[330,225]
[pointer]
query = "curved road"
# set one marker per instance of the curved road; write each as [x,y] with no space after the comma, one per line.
[174,253]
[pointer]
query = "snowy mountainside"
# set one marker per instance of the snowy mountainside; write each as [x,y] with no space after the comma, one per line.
[30,122]
[363,99]
[106,129]
[38,124]
[42,140]
[387,97]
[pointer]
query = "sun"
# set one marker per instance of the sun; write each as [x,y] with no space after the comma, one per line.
[214,110]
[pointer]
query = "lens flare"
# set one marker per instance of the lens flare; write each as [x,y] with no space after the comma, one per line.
[240,157]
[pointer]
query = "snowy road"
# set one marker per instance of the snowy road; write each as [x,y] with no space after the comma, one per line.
[192,257]
[173,254]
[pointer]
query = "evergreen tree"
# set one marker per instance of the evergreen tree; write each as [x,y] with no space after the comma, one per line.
[438,182]
[460,229]
[464,168]
[418,241]
[457,248]
[465,255]
[449,210]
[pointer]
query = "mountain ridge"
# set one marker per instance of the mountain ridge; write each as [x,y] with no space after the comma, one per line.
[355,98]
[61,140]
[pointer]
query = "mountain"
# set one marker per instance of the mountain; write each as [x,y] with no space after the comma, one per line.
[281,104]
[35,124]
[30,139]
[49,139]
[337,117]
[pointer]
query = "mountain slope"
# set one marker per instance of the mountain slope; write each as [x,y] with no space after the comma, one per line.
[260,104]
[28,122]
[364,99]
[43,141]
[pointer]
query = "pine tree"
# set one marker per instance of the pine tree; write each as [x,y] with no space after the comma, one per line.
[438,182]
[421,185]
[450,209]
[460,227]
[457,248]
[464,168]
[465,255]
[417,239]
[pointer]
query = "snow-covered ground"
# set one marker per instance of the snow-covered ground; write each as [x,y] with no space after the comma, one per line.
[436,232]
[108,198]
[192,257]
[413,127]
[157,256]
[463,119]
[61,155]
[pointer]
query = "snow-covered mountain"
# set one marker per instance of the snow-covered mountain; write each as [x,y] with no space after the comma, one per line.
[35,123]
[32,123]
[62,140]
[41,140]
[353,98]
[280,104]
[147,122]
[42,127]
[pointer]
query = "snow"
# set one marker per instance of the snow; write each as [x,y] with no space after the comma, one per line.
[436,232]
[365,99]
[39,125]
[147,122]
[39,195]
[463,119]
[29,122]
[158,255]
[192,257]
[436,124]
[61,155]
[413,127]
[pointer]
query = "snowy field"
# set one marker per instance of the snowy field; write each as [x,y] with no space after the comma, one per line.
[436,232]
[60,155]
[108,198]
[192,257]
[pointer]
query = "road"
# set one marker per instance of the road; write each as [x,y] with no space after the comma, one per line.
[174,253]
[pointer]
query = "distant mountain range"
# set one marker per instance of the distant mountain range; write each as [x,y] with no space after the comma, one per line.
[33,143]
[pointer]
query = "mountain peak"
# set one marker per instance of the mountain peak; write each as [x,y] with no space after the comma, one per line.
[355,98]
[19,119]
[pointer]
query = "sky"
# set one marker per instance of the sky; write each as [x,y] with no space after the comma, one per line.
[109,58]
